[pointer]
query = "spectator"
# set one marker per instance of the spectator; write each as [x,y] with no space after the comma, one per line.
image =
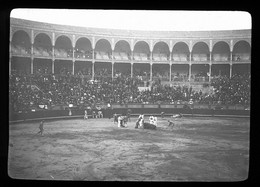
[43,88]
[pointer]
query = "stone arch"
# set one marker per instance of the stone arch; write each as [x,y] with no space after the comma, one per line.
[42,39]
[122,45]
[241,51]
[21,42]
[156,47]
[14,30]
[200,51]
[98,39]
[141,40]
[142,46]
[40,32]
[160,41]
[122,50]
[161,51]
[242,46]
[180,51]
[78,37]
[247,41]
[103,49]
[42,45]
[141,51]
[63,47]
[59,35]
[84,43]
[103,45]
[227,41]
[83,48]
[221,51]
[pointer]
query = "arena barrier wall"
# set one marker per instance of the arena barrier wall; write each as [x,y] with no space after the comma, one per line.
[202,110]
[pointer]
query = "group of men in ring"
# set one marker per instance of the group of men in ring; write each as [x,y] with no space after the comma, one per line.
[140,123]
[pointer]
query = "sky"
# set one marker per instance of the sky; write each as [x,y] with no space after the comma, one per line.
[140,19]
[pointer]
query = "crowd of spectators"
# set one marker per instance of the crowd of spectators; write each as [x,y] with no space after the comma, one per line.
[234,90]
[30,90]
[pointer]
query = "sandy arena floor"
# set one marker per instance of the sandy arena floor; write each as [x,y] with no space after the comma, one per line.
[195,149]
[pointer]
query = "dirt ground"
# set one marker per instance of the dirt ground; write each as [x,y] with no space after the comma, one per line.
[195,149]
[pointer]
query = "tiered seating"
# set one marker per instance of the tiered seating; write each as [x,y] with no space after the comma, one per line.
[22,50]
[82,54]
[203,57]
[143,56]
[104,55]
[220,57]
[60,53]
[56,53]
[117,56]
[36,52]
[175,57]
[163,57]
[98,56]
[14,49]
[216,57]
[196,57]
[136,56]
[183,57]
[199,57]
[123,56]
[241,57]
[156,57]
[19,50]
[39,51]
[224,58]
[63,53]
[45,53]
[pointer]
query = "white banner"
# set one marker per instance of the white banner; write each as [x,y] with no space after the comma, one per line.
[144,88]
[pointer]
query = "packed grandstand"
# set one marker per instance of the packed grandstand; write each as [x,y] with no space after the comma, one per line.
[49,70]
[29,91]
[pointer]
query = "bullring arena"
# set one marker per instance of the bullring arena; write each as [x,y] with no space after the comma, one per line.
[194,149]
[57,73]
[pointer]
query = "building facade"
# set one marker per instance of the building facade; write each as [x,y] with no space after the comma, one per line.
[194,56]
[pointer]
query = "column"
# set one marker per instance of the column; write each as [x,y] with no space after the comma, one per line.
[190,72]
[151,71]
[190,68]
[73,68]
[31,65]
[231,64]
[151,67]
[32,58]
[132,69]
[10,58]
[112,69]
[93,60]
[230,70]
[113,64]
[170,72]
[132,64]
[210,72]
[52,67]
[73,61]
[210,63]
[53,55]
[93,69]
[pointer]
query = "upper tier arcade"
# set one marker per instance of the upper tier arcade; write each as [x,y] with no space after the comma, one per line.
[30,39]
